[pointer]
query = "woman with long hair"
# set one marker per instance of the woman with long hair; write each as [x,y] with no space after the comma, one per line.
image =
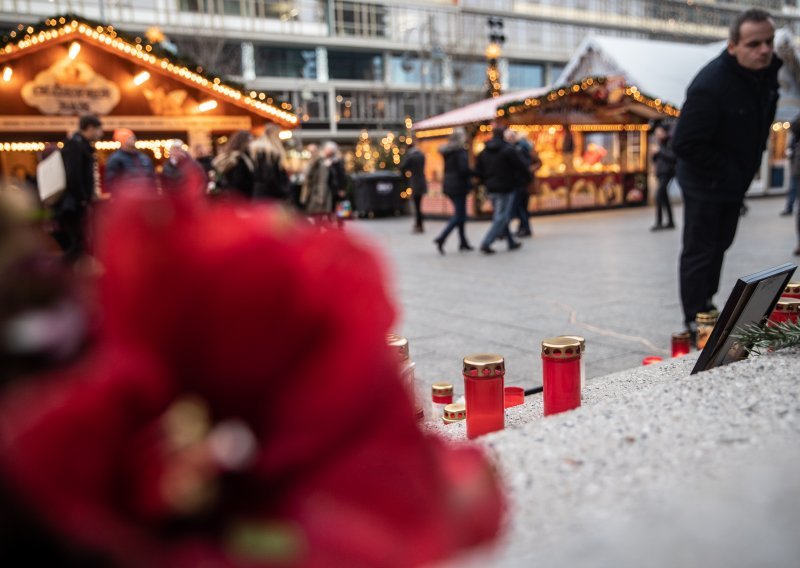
[456,186]
[235,167]
[271,179]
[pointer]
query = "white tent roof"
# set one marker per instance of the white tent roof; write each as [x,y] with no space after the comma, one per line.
[479,111]
[661,69]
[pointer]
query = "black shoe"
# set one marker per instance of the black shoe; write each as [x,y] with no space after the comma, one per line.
[786,213]
[514,246]
[439,245]
[418,230]
[658,227]
[669,226]
[487,250]
[797,251]
[691,329]
[465,246]
[523,234]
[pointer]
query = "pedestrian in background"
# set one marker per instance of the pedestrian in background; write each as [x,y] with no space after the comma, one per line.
[270,176]
[413,167]
[456,186]
[521,194]
[80,167]
[316,195]
[500,167]
[664,160]
[235,167]
[181,172]
[128,167]
[337,175]
[719,140]
[794,167]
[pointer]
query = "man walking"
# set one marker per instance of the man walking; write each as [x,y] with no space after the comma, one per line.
[128,167]
[719,141]
[70,213]
[413,167]
[501,168]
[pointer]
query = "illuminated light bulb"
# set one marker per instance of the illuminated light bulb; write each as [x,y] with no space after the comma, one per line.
[206,106]
[74,50]
[7,73]
[141,78]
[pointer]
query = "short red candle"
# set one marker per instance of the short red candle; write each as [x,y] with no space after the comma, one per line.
[787,309]
[681,344]
[514,396]
[483,391]
[792,290]
[651,360]
[561,374]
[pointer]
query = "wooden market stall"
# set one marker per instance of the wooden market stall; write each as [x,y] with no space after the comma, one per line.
[591,136]
[54,71]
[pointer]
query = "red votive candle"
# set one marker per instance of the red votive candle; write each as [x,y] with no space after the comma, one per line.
[651,360]
[561,374]
[514,396]
[582,341]
[441,396]
[483,389]
[681,344]
[792,290]
[787,309]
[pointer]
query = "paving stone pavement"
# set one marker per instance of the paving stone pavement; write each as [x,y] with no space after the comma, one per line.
[603,275]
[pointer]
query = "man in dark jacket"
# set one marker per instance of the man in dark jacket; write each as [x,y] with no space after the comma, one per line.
[500,167]
[719,141]
[664,160]
[413,167]
[128,167]
[70,212]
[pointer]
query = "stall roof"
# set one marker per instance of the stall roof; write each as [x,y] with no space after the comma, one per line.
[480,111]
[27,38]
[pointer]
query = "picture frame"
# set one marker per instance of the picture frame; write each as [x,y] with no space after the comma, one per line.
[751,302]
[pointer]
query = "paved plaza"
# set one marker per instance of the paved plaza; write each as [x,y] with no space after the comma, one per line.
[602,275]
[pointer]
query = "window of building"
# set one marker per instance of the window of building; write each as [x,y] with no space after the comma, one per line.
[285,62]
[525,75]
[408,69]
[355,65]
[469,73]
[360,19]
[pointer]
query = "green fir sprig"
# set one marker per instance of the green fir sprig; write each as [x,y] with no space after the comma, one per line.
[768,338]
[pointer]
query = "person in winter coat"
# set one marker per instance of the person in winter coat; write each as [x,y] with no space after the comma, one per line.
[128,167]
[413,167]
[316,196]
[337,175]
[720,138]
[794,167]
[456,186]
[500,167]
[234,166]
[181,172]
[71,211]
[521,193]
[270,178]
[664,160]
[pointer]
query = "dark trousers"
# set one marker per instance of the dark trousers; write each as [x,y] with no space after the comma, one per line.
[708,231]
[662,200]
[521,210]
[458,219]
[417,197]
[70,234]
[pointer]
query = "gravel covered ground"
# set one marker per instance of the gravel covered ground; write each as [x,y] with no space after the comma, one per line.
[657,468]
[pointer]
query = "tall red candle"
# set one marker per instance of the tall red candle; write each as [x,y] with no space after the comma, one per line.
[561,374]
[787,309]
[483,389]
[792,290]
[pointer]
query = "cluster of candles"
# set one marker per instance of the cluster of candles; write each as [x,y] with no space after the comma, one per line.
[485,395]
[786,310]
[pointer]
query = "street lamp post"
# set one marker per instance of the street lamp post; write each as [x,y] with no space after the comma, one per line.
[493,52]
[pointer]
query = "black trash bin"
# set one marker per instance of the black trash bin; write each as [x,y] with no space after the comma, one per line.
[379,193]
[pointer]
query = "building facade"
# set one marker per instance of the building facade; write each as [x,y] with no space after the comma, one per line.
[348,65]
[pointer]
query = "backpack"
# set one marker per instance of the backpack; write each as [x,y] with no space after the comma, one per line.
[51,178]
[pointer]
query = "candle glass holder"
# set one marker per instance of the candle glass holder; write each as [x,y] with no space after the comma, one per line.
[483,389]
[787,309]
[681,344]
[561,374]
[705,325]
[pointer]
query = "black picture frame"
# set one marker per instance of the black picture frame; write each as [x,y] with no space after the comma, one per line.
[751,302]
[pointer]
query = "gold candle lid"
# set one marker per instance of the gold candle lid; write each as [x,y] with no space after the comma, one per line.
[705,318]
[682,336]
[579,339]
[788,305]
[561,348]
[442,389]
[792,287]
[400,344]
[484,365]
[455,412]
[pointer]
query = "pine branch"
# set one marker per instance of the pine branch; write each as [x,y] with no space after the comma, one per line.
[768,338]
